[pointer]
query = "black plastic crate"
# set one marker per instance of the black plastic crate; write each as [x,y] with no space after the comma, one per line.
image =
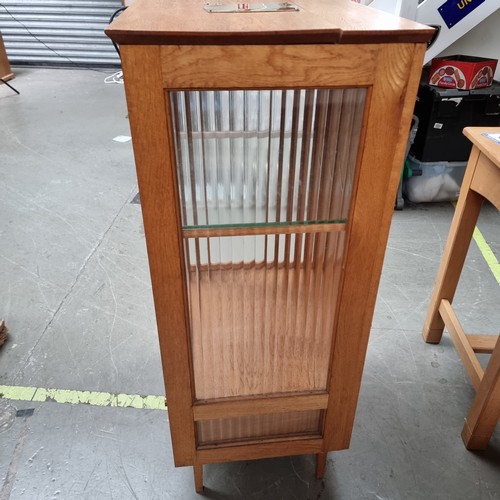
[443,114]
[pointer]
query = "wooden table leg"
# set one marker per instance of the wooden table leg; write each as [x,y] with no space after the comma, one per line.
[455,251]
[198,477]
[485,411]
[320,464]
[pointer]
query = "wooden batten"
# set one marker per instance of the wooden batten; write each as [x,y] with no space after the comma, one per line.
[469,358]
[159,200]
[249,230]
[482,344]
[274,448]
[259,406]
[296,66]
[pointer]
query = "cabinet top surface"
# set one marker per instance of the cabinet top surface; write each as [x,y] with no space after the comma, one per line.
[186,22]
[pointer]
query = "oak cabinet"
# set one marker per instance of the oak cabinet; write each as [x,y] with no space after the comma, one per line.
[268,148]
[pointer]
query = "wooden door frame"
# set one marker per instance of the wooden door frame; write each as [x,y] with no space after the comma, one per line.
[391,73]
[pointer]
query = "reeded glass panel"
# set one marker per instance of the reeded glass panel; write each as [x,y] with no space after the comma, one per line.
[261,304]
[266,156]
[262,312]
[298,423]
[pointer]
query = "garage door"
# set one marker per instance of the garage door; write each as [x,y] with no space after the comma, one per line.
[58,32]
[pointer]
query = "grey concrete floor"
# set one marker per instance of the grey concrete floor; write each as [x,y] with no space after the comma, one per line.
[76,296]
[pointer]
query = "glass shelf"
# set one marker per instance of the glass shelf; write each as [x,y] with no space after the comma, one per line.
[296,224]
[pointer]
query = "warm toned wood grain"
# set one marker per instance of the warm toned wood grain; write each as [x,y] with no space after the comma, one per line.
[486,179]
[252,428]
[5,70]
[455,251]
[265,327]
[275,448]
[198,477]
[485,411]
[320,464]
[211,232]
[231,354]
[150,125]
[469,358]
[296,66]
[387,126]
[240,349]
[258,406]
[179,22]
[482,179]
[488,147]
[482,344]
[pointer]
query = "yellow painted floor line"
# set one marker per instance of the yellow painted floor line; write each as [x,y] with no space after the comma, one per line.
[485,250]
[93,398]
[488,254]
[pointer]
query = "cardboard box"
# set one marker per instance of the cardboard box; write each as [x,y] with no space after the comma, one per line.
[462,72]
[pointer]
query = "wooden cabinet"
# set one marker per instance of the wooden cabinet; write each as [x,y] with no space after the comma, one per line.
[268,149]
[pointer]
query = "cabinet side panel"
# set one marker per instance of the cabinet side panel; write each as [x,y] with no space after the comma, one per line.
[388,124]
[150,126]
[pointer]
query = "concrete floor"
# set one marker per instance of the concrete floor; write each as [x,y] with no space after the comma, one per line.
[75,294]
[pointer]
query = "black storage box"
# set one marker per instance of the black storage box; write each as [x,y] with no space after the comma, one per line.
[443,114]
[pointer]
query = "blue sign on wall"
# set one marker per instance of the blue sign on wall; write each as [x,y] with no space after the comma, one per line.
[453,11]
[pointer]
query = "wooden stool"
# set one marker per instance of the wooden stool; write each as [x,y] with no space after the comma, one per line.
[481,181]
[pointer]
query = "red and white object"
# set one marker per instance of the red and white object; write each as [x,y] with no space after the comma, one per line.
[462,72]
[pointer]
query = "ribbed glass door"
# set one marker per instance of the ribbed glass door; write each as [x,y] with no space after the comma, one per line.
[265,184]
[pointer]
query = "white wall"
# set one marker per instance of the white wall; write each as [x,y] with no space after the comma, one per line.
[481,41]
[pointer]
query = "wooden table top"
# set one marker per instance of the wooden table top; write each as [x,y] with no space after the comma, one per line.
[185,22]
[489,147]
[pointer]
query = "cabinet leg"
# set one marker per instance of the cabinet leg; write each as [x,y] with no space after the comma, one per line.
[320,465]
[198,477]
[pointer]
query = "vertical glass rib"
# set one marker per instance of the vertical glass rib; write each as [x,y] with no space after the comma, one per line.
[358,102]
[208,340]
[279,311]
[319,306]
[268,283]
[308,239]
[311,240]
[222,342]
[289,243]
[193,184]
[292,159]
[298,275]
[230,113]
